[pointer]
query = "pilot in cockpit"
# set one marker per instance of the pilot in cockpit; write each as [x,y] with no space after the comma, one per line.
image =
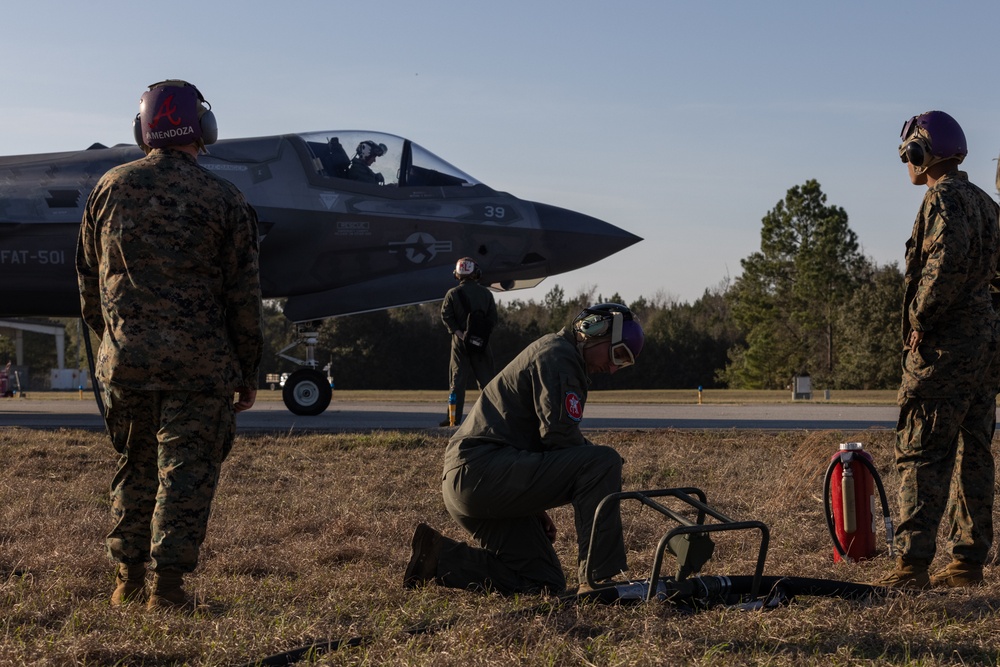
[364,158]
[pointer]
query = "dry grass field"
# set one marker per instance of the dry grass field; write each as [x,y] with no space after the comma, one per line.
[310,535]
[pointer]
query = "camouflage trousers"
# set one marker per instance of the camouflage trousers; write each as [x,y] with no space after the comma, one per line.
[172,444]
[945,464]
[461,366]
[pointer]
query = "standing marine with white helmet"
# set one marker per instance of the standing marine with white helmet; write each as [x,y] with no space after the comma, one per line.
[947,397]
[469,312]
[520,453]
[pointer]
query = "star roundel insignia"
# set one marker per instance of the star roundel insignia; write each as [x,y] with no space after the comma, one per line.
[574,406]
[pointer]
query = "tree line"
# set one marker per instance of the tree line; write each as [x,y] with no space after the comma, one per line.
[808,302]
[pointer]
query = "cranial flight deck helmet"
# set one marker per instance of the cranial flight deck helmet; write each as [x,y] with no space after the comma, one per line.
[174,113]
[466,268]
[618,322]
[368,148]
[930,138]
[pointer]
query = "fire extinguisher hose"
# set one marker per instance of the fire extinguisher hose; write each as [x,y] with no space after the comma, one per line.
[882,497]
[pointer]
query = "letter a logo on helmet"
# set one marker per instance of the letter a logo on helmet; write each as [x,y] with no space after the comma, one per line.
[167,110]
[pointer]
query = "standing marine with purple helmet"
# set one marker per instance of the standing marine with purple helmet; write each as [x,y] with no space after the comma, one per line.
[947,397]
[167,263]
[520,453]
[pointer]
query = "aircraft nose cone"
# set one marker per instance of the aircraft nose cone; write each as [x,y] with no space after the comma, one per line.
[578,240]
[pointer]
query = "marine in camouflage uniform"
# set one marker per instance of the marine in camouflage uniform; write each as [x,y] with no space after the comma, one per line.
[520,453]
[167,261]
[947,396]
[455,315]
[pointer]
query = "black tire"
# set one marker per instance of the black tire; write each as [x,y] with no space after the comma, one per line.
[307,392]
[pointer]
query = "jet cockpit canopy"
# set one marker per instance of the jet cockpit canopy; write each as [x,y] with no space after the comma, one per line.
[398,162]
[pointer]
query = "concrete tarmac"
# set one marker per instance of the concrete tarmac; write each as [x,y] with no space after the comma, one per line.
[38,412]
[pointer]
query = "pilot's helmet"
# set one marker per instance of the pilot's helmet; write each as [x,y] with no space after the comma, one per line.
[616,321]
[174,113]
[368,148]
[930,138]
[467,268]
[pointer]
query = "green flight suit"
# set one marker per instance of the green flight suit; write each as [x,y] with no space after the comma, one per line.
[519,453]
[455,316]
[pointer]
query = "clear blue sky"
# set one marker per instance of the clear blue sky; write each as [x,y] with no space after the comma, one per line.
[683,122]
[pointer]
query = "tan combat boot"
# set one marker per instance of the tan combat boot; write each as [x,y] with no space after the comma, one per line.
[909,574]
[131,580]
[168,593]
[426,547]
[958,574]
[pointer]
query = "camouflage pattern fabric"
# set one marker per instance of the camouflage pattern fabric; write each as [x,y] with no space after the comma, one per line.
[167,262]
[951,258]
[945,462]
[519,453]
[461,364]
[172,444]
[947,396]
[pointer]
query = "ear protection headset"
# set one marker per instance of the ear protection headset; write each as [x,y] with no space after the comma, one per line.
[174,113]
[916,150]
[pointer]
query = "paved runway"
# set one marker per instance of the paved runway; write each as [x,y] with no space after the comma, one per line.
[39,412]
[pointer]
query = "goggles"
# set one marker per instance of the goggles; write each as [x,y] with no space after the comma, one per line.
[911,150]
[621,355]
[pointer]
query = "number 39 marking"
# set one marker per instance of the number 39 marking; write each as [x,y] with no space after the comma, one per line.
[495,212]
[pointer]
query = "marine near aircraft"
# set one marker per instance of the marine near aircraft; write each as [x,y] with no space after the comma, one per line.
[337,235]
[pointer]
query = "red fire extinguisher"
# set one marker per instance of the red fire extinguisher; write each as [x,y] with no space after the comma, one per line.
[849,496]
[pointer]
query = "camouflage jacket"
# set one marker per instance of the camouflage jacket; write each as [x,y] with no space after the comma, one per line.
[453,312]
[167,264]
[535,404]
[951,258]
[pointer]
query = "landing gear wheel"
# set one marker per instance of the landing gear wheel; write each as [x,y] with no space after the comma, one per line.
[307,392]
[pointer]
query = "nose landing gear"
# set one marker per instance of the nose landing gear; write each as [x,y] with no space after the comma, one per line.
[307,391]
